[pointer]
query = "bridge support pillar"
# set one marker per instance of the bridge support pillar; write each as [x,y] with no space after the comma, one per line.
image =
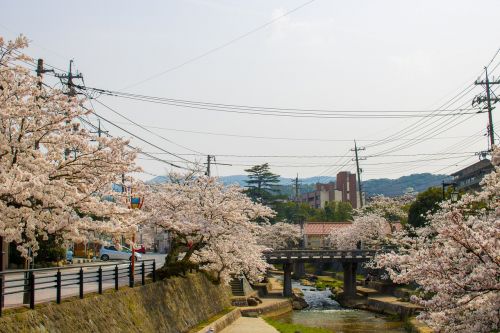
[318,268]
[299,270]
[287,280]
[349,278]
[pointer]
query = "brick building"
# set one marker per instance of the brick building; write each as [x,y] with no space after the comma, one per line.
[343,190]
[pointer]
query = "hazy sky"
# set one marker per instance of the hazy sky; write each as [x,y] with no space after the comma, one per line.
[336,55]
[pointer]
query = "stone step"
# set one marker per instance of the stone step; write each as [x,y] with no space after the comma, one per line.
[367,291]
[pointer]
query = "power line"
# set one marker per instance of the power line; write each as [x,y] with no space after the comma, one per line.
[315,165]
[415,127]
[275,138]
[220,47]
[328,156]
[152,157]
[146,129]
[284,112]
[139,138]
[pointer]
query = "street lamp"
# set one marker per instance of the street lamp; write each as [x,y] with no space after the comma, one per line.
[454,196]
[134,203]
[444,184]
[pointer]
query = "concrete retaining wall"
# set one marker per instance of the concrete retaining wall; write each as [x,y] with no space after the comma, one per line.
[223,322]
[171,306]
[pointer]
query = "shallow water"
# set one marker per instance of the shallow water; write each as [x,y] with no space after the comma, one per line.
[327,313]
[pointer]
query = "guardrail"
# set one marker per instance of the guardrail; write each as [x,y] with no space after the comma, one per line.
[26,283]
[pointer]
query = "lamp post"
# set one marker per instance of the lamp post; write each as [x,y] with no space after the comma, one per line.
[454,194]
[135,203]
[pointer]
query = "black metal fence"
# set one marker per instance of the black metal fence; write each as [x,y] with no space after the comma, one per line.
[24,286]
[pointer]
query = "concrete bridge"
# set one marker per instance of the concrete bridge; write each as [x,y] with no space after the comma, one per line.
[291,258]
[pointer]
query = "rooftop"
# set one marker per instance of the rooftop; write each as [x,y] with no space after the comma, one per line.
[323,228]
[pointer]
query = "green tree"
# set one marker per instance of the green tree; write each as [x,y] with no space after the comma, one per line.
[343,212]
[330,211]
[262,184]
[427,201]
[293,212]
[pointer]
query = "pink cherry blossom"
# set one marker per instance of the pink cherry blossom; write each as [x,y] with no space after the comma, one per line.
[54,174]
[455,261]
[211,226]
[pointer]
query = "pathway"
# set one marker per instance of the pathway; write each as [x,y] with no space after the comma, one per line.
[249,325]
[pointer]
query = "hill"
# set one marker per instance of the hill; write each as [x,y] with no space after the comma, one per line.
[388,187]
[394,187]
[240,180]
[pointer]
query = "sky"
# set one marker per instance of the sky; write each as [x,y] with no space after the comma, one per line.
[375,56]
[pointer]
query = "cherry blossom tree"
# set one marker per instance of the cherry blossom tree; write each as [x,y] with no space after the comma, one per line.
[393,209]
[211,227]
[367,230]
[280,235]
[373,225]
[53,173]
[455,261]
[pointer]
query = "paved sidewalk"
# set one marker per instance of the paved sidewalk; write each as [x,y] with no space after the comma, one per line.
[249,325]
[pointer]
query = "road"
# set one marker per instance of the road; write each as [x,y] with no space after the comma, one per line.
[47,280]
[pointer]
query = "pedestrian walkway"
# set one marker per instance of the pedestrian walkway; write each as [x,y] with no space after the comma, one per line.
[249,325]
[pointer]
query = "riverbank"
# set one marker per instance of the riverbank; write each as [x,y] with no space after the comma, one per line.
[381,298]
[371,311]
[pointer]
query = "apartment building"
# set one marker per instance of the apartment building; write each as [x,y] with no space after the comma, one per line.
[343,190]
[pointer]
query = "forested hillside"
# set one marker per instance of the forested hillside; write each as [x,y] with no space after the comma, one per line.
[388,187]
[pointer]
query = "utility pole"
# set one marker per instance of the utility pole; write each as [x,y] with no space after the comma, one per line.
[299,268]
[489,100]
[40,70]
[99,130]
[209,164]
[69,79]
[297,189]
[209,159]
[359,170]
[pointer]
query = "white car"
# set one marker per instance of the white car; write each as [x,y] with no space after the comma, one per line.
[110,253]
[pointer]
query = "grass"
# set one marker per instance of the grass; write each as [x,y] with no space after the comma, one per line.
[294,328]
[324,282]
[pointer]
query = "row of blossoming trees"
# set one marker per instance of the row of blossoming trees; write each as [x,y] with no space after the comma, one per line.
[56,178]
[454,259]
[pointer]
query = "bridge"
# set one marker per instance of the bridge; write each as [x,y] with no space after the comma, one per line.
[349,259]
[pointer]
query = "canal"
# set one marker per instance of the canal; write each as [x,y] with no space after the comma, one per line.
[326,313]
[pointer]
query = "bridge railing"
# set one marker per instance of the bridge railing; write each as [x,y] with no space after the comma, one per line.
[18,287]
[302,254]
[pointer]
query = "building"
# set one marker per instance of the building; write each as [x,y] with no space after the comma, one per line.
[343,190]
[162,242]
[315,233]
[468,179]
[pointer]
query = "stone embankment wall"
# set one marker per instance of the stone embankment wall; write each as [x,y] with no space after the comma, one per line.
[172,306]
